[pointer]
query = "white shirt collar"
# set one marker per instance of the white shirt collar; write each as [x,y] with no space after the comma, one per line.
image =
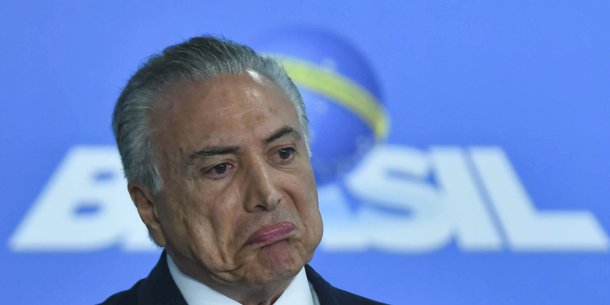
[299,292]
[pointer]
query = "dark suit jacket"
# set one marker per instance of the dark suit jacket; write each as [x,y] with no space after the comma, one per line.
[159,289]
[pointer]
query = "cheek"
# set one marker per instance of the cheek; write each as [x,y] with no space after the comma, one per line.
[214,220]
[186,218]
[306,201]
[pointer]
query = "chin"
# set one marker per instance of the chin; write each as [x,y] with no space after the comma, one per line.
[281,261]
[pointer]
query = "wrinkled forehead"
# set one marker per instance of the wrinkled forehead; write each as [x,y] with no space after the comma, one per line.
[222,107]
[171,95]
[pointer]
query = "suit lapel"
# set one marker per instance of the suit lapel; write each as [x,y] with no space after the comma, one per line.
[159,287]
[324,290]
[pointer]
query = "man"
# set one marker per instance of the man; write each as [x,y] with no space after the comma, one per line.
[214,142]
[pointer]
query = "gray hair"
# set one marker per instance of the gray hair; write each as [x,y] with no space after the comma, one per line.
[200,58]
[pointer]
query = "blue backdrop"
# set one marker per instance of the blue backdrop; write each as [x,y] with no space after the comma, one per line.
[461,150]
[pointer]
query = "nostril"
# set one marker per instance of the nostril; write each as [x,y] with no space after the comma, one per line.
[261,207]
[269,205]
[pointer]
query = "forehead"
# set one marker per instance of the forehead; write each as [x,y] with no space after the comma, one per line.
[219,111]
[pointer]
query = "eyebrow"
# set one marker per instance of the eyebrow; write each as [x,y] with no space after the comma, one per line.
[214,151]
[225,150]
[286,130]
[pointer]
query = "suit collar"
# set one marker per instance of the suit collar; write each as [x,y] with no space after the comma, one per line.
[160,289]
[324,290]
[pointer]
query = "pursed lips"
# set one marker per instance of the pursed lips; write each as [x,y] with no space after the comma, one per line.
[271,234]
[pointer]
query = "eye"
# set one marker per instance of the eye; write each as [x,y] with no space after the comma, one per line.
[286,153]
[218,171]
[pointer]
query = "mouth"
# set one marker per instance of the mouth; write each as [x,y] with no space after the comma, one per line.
[272,234]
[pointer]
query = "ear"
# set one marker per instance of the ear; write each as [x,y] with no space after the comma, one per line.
[145,203]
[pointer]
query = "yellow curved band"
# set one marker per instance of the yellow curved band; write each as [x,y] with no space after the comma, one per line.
[339,89]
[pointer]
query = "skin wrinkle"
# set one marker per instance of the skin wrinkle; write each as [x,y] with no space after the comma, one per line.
[205,223]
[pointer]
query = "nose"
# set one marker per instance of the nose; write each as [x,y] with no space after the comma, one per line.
[263,193]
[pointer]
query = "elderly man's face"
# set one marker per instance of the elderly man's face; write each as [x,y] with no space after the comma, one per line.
[239,202]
